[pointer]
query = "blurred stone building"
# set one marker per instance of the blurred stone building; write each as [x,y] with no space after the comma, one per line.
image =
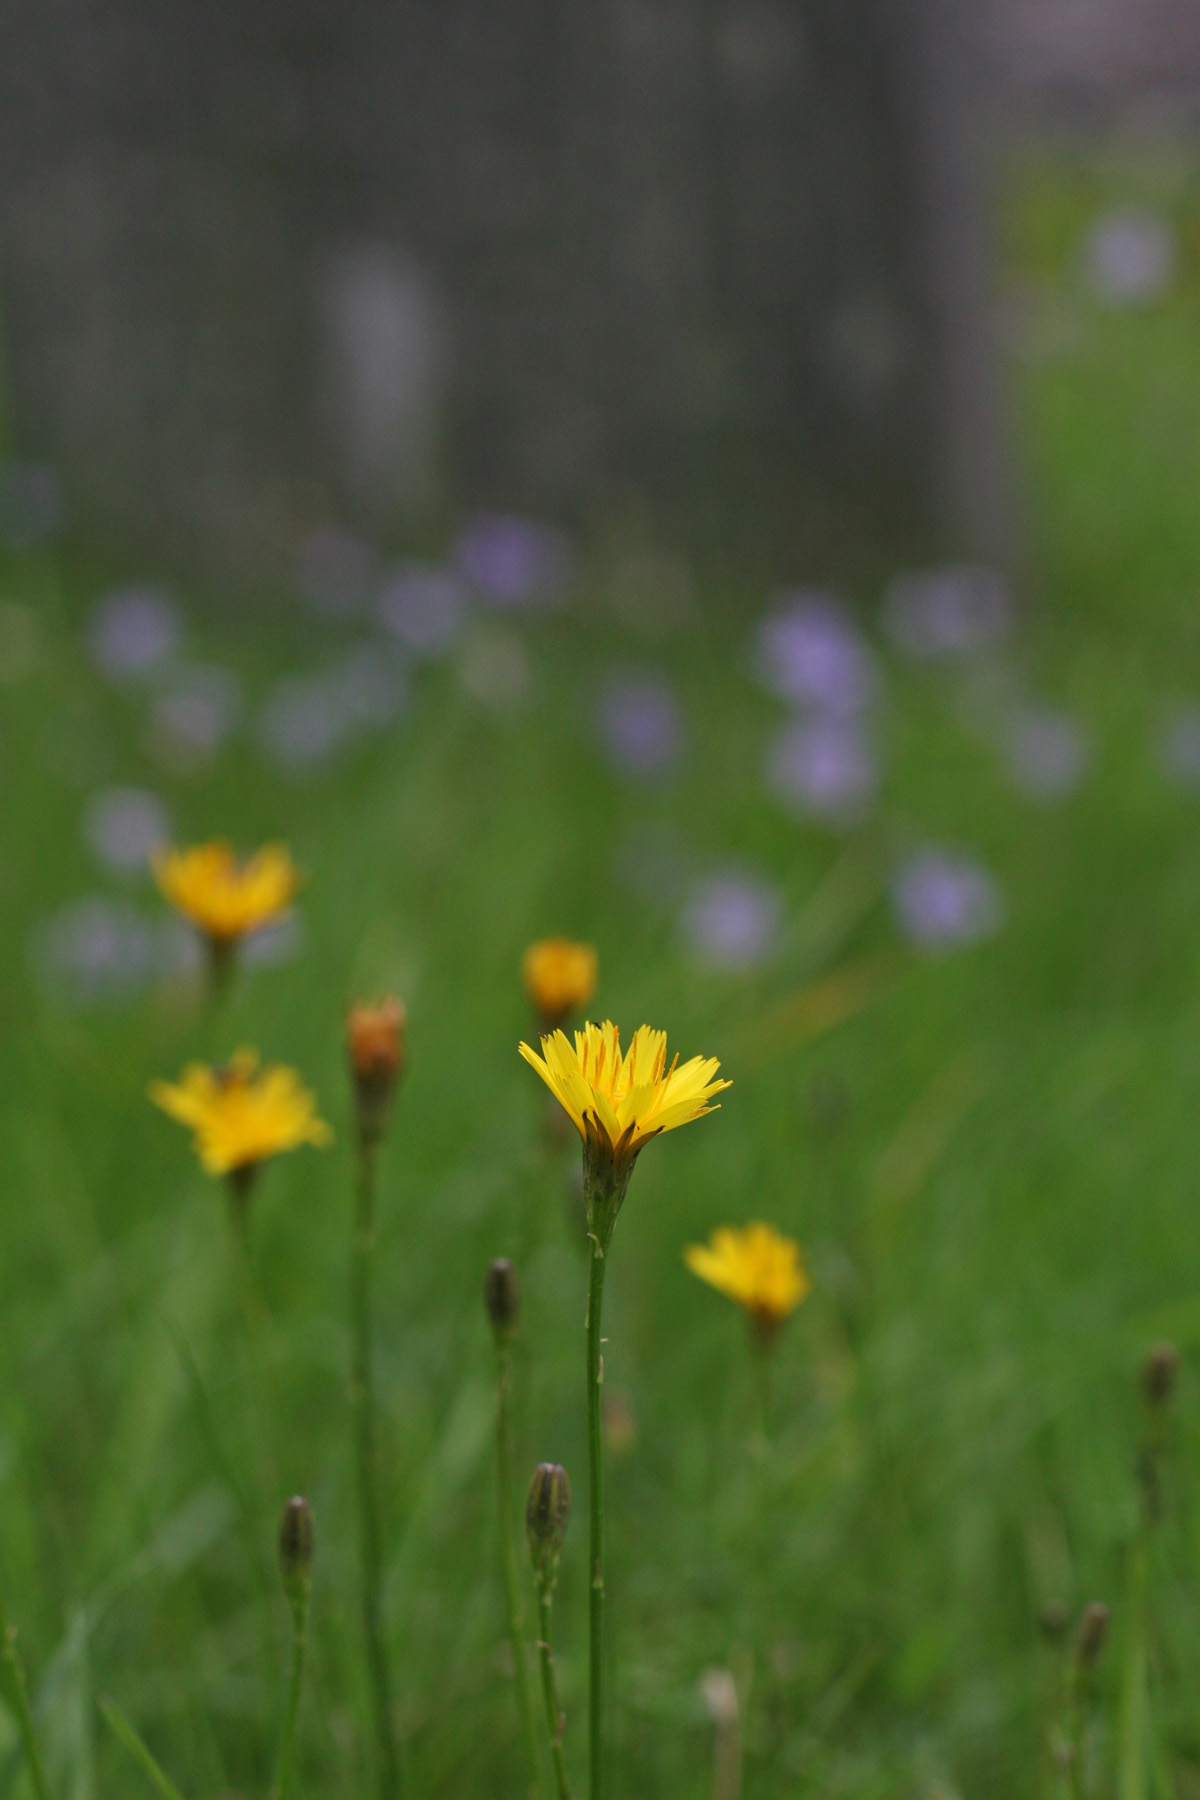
[262,264]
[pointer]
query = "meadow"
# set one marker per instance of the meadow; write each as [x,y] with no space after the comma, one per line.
[980,1122]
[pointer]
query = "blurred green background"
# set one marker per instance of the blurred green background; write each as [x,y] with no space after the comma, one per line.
[982,1129]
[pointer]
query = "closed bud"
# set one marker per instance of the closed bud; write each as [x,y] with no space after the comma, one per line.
[1093,1630]
[546,1514]
[1158,1374]
[296,1546]
[377,1050]
[502,1296]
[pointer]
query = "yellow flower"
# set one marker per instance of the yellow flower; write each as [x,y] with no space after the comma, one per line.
[618,1103]
[559,977]
[223,897]
[241,1114]
[756,1266]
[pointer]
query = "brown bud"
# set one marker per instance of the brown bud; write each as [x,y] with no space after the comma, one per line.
[546,1514]
[1093,1630]
[296,1546]
[377,1049]
[1158,1374]
[502,1296]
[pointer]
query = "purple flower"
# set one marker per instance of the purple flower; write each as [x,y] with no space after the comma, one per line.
[335,572]
[192,719]
[31,505]
[811,654]
[1179,746]
[1048,753]
[640,724]
[133,632]
[942,899]
[1130,258]
[512,561]
[732,919]
[824,767]
[301,724]
[96,950]
[124,826]
[956,611]
[425,607]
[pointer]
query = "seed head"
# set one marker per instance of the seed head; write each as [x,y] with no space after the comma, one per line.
[546,1514]
[502,1296]
[1093,1630]
[296,1546]
[1158,1374]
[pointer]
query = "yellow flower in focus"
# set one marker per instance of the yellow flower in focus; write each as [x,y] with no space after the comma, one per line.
[225,897]
[618,1103]
[756,1266]
[559,977]
[241,1114]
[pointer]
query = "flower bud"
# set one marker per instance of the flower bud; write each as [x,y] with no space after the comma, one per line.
[559,977]
[377,1049]
[1158,1374]
[296,1546]
[502,1296]
[1093,1630]
[546,1514]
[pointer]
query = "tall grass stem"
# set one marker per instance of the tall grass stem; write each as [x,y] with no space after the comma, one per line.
[554,1712]
[508,1560]
[362,1403]
[597,1263]
[151,1768]
[281,1786]
[17,1695]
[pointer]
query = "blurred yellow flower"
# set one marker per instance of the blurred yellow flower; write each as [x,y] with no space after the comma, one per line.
[618,1103]
[756,1266]
[225,897]
[241,1114]
[559,977]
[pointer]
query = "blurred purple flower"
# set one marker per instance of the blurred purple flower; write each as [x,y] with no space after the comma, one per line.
[823,766]
[95,950]
[367,690]
[732,919]
[955,611]
[811,653]
[641,725]
[942,899]
[1129,257]
[1179,746]
[31,505]
[512,561]
[301,724]
[425,607]
[1048,753]
[133,632]
[335,572]
[275,944]
[190,722]
[124,826]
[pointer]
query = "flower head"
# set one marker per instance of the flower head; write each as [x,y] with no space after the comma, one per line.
[618,1103]
[225,897]
[559,977]
[756,1266]
[242,1113]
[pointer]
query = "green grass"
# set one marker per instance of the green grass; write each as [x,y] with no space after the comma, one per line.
[1004,1221]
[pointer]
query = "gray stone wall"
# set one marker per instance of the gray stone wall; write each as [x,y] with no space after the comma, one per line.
[264,263]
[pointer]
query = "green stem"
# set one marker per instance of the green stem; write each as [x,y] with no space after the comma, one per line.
[155,1774]
[362,1402]
[554,1713]
[595,1378]
[1131,1770]
[508,1559]
[281,1786]
[17,1695]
